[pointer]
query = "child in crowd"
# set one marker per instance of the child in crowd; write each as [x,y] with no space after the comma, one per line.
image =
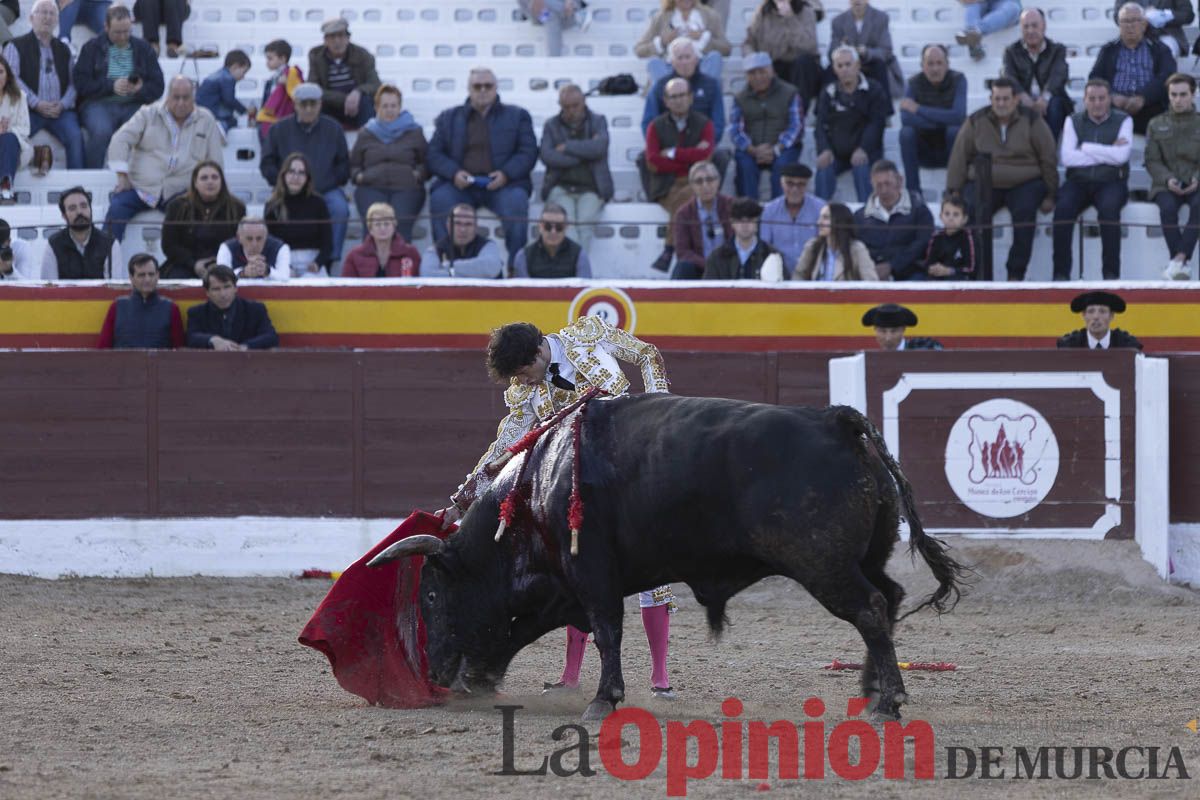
[218,93]
[953,251]
[277,89]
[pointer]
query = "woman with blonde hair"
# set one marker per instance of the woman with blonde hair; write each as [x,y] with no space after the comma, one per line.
[383,253]
[687,18]
[834,254]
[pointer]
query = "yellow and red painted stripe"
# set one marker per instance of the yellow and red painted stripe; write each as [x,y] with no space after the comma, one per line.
[719,318]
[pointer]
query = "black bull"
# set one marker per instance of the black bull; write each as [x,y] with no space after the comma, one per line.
[714,493]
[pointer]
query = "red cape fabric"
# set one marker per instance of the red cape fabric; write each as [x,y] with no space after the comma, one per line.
[370,627]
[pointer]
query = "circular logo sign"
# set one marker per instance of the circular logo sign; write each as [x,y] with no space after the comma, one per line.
[609,304]
[1001,458]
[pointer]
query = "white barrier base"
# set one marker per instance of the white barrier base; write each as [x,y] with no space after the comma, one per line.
[1185,554]
[220,547]
[238,547]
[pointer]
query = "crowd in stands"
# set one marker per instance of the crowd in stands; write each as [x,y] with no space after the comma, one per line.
[109,104]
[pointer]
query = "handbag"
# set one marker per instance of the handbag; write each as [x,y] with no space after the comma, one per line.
[622,83]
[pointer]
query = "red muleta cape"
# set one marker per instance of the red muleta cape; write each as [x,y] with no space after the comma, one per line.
[370,627]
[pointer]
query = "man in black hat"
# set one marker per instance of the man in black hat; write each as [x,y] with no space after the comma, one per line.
[1098,309]
[890,321]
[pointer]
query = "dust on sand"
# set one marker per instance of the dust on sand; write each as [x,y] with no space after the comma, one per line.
[197,688]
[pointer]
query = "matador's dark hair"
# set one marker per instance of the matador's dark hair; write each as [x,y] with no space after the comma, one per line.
[511,348]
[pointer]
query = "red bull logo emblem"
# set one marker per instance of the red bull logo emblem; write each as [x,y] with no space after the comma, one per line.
[1001,458]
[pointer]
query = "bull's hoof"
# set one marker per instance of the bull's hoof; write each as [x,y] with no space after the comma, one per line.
[597,710]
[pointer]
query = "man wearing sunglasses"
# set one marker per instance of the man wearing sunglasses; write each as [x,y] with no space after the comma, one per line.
[702,224]
[552,254]
[483,153]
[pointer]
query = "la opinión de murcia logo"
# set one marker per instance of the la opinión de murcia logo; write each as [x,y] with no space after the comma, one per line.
[1001,458]
[737,749]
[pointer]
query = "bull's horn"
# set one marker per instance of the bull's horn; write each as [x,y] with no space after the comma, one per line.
[423,545]
[500,529]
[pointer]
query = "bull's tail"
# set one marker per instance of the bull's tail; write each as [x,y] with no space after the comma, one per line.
[950,574]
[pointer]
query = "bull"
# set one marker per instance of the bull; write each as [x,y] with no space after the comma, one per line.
[714,493]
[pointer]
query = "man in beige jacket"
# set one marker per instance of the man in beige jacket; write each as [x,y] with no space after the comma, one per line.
[154,153]
[1024,166]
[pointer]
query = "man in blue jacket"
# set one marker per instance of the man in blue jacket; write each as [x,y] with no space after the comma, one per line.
[894,224]
[115,75]
[852,111]
[226,321]
[482,153]
[707,99]
[1136,66]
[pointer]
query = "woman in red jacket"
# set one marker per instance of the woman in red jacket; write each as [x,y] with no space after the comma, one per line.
[383,253]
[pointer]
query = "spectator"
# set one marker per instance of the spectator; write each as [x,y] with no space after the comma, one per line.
[890,322]
[81,250]
[142,320]
[953,251]
[1173,161]
[1024,166]
[383,252]
[701,224]
[197,221]
[322,142]
[163,13]
[346,74]
[15,149]
[1166,18]
[933,109]
[851,114]
[154,153]
[16,260]
[683,18]
[1096,145]
[1039,68]
[1136,66]
[89,13]
[675,141]
[10,11]
[1098,310]
[786,30]
[277,101]
[555,16]
[894,224]
[574,149]
[228,322]
[255,253]
[115,75]
[483,153]
[981,17]
[865,31]
[767,126]
[834,254]
[387,164]
[552,254]
[744,256]
[218,92]
[464,252]
[789,221]
[42,66]
[298,216]
[706,95]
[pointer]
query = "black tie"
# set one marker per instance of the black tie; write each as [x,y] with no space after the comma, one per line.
[559,380]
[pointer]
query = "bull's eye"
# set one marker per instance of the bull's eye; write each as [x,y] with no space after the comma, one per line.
[430,597]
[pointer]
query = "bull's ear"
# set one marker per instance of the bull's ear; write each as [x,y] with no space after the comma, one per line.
[412,546]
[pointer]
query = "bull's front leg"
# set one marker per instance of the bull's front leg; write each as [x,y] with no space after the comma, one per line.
[606,627]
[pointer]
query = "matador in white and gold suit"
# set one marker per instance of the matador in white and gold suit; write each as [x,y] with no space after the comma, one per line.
[545,374]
